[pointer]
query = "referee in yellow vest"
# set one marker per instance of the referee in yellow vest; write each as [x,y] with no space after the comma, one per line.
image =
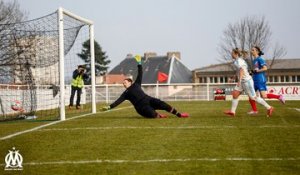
[77,84]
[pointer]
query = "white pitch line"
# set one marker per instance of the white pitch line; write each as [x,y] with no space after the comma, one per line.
[160,160]
[53,123]
[297,109]
[168,127]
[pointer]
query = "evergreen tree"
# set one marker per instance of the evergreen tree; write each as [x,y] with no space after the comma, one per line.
[101,59]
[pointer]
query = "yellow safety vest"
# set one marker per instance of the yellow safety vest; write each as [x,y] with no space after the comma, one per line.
[78,82]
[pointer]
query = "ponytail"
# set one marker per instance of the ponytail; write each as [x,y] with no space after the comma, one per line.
[237,51]
[260,53]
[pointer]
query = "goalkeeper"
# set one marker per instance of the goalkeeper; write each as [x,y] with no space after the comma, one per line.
[145,105]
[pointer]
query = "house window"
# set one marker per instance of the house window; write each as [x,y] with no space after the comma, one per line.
[215,79]
[287,78]
[281,78]
[221,79]
[211,79]
[298,78]
[270,79]
[275,78]
[293,78]
[202,80]
[225,80]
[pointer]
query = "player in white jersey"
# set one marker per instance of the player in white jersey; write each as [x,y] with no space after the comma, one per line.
[245,83]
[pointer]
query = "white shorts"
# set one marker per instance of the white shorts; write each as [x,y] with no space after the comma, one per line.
[248,87]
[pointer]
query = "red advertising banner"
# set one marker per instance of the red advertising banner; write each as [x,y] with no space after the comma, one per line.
[289,92]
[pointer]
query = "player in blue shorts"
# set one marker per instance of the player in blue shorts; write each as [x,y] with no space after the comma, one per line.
[260,80]
[245,83]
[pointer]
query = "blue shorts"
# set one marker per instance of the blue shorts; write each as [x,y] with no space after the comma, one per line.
[260,86]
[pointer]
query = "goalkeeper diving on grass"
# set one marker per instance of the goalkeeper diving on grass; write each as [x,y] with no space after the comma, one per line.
[145,105]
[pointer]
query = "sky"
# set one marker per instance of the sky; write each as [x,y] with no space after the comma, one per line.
[192,27]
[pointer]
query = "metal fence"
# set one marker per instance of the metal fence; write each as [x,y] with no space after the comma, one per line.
[191,92]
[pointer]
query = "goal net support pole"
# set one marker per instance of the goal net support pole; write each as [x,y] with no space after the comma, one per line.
[62,12]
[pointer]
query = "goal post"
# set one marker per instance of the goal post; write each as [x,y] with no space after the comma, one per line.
[37,60]
[61,13]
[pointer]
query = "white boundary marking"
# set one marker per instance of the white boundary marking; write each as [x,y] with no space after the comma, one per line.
[168,127]
[161,160]
[126,127]
[297,109]
[53,123]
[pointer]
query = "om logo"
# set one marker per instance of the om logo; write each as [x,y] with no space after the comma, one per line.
[13,160]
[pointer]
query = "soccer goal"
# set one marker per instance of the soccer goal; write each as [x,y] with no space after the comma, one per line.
[37,59]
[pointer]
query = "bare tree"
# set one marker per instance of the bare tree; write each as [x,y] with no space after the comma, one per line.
[246,33]
[10,15]
[277,52]
[10,12]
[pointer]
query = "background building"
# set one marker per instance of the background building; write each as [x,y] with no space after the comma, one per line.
[282,70]
[153,64]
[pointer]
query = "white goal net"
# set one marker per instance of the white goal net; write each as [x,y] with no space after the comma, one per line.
[37,58]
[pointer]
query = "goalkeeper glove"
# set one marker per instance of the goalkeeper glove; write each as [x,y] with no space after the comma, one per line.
[138,59]
[106,108]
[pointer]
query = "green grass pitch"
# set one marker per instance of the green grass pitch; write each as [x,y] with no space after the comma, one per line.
[122,142]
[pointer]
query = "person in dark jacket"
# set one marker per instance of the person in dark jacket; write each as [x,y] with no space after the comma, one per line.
[77,84]
[144,105]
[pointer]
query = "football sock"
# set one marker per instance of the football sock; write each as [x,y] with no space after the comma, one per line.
[234,104]
[175,112]
[253,104]
[273,96]
[263,102]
